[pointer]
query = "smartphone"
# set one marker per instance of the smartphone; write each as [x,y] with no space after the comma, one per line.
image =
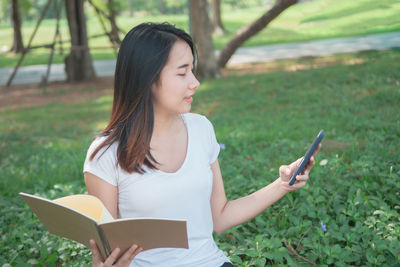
[307,156]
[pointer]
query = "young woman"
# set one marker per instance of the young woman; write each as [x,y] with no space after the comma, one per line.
[155,159]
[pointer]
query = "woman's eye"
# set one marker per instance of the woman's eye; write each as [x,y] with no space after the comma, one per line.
[181,74]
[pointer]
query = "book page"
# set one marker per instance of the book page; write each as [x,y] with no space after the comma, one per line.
[87,204]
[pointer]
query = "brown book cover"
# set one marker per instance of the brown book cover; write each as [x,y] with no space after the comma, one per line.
[84,217]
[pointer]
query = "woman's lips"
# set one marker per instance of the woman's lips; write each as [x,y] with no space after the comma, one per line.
[189,99]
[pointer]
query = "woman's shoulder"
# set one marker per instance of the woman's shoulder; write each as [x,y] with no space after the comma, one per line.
[106,149]
[199,125]
[196,119]
[97,140]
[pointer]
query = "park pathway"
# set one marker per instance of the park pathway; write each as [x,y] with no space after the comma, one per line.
[105,68]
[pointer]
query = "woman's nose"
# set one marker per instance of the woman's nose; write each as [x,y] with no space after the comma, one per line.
[195,83]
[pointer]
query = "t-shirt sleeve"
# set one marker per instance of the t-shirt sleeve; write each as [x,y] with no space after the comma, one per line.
[214,147]
[104,164]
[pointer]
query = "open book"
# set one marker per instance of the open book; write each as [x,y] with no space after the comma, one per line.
[84,217]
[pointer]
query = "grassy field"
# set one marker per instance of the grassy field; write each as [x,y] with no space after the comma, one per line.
[265,120]
[311,20]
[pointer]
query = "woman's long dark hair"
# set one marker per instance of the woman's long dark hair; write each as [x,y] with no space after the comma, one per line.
[143,54]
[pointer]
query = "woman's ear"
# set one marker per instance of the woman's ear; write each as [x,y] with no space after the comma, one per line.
[156,85]
[154,88]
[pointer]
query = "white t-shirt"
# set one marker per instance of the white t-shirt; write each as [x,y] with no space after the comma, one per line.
[184,194]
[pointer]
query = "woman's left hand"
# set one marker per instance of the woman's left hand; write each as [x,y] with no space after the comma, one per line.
[286,172]
[123,261]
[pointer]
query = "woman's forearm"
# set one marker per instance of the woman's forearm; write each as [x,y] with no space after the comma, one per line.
[243,209]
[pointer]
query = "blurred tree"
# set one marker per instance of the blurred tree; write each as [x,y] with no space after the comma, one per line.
[162,7]
[252,29]
[217,22]
[201,29]
[237,3]
[39,5]
[131,7]
[149,6]
[30,10]
[78,64]
[112,11]
[246,3]
[4,14]
[176,6]
[18,45]
[109,10]
[157,6]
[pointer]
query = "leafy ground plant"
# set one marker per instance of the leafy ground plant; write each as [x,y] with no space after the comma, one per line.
[348,214]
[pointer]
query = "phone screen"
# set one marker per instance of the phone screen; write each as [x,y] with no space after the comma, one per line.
[307,156]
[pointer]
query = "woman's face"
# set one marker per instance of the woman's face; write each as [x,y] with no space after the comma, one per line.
[173,93]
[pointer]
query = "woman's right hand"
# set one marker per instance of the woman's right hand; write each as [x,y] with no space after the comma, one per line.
[124,260]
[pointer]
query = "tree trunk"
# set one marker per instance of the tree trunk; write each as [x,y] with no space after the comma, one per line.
[131,7]
[114,36]
[162,7]
[201,29]
[78,64]
[217,22]
[250,30]
[18,45]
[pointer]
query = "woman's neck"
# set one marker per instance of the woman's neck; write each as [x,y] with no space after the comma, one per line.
[164,123]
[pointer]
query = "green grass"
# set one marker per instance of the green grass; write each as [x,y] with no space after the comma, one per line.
[311,20]
[265,120]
